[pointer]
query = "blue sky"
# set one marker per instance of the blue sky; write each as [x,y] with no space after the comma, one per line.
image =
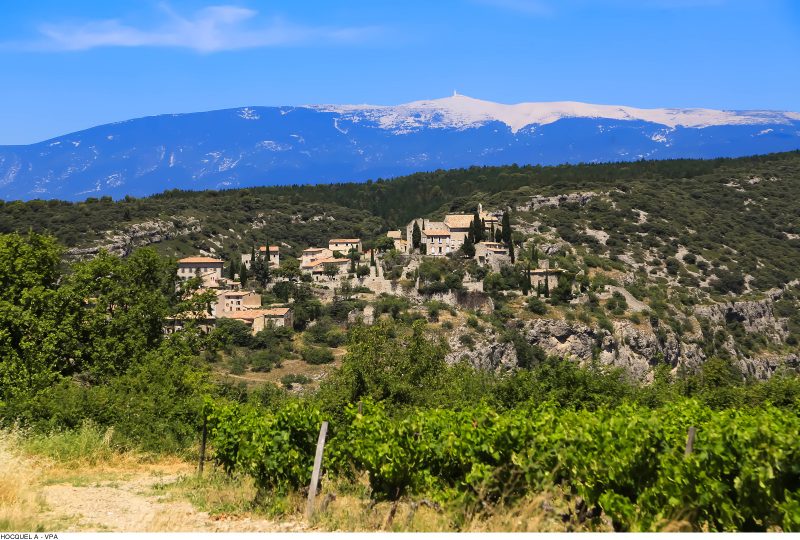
[71,65]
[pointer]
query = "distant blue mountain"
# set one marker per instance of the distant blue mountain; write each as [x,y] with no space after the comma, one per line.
[256,146]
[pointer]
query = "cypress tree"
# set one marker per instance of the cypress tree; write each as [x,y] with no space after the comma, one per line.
[372,257]
[266,270]
[546,285]
[232,269]
[476,228]
[506,230]
[416,237]
[468,247]
[526,280]
[243,274]
[498,236]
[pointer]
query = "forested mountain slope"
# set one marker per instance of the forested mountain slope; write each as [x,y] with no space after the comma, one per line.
[745,211]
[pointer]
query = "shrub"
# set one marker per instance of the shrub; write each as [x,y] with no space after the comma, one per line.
[317,355]
[537,306]
[467,340]
[294,378]
[232,332]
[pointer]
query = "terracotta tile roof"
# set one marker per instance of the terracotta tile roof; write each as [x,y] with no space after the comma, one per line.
[251,314]
[344,240]
[271,248]
[429,232]
[233,293]
[313,250]
[458,221]
[314,264]
[395,235]
[189,260]
[276,312]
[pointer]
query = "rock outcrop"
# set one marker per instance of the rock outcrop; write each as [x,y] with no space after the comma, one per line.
[488,352]
[538,201]
[754,315]
[639,349]
[137,235]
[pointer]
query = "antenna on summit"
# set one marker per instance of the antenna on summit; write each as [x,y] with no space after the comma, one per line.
[455,94]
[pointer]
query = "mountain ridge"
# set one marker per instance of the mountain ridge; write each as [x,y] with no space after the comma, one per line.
[250,146]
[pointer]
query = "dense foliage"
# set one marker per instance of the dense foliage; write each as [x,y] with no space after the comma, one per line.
[747,207]
[628,461]
[470,438]
[88,342]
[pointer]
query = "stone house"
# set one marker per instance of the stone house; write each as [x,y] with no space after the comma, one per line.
[208,269]
[438,242]
[312,254]
[317,267]
[344,245]
[399,244]
[544,272]
[458,225]
[228,301]
[258,319]
[274,256]
[493,254]
[491,220]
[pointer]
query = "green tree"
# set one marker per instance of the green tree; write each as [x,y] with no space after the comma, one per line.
[330,269]
[468,248]
[506,228]
[384,363]
[476,227]
[261,270]
[416,237]
[525,280]
[534,254]
[125,304]
[39,322]
[243,274]
[384,243]
[562,293]
[289,268]
[354,256]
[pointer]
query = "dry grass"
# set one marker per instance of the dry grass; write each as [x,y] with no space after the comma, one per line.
[347,507]
[83,457]
[19,504]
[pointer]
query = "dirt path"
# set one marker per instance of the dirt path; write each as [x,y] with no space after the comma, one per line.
[131,506]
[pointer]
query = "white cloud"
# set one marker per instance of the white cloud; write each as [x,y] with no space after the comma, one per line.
[210,29]
[529,7]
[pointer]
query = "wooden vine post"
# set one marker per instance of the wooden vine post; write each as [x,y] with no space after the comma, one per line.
[312,488]
[203,436]
[690,441]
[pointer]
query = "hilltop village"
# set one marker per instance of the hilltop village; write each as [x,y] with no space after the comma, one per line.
[391,267]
